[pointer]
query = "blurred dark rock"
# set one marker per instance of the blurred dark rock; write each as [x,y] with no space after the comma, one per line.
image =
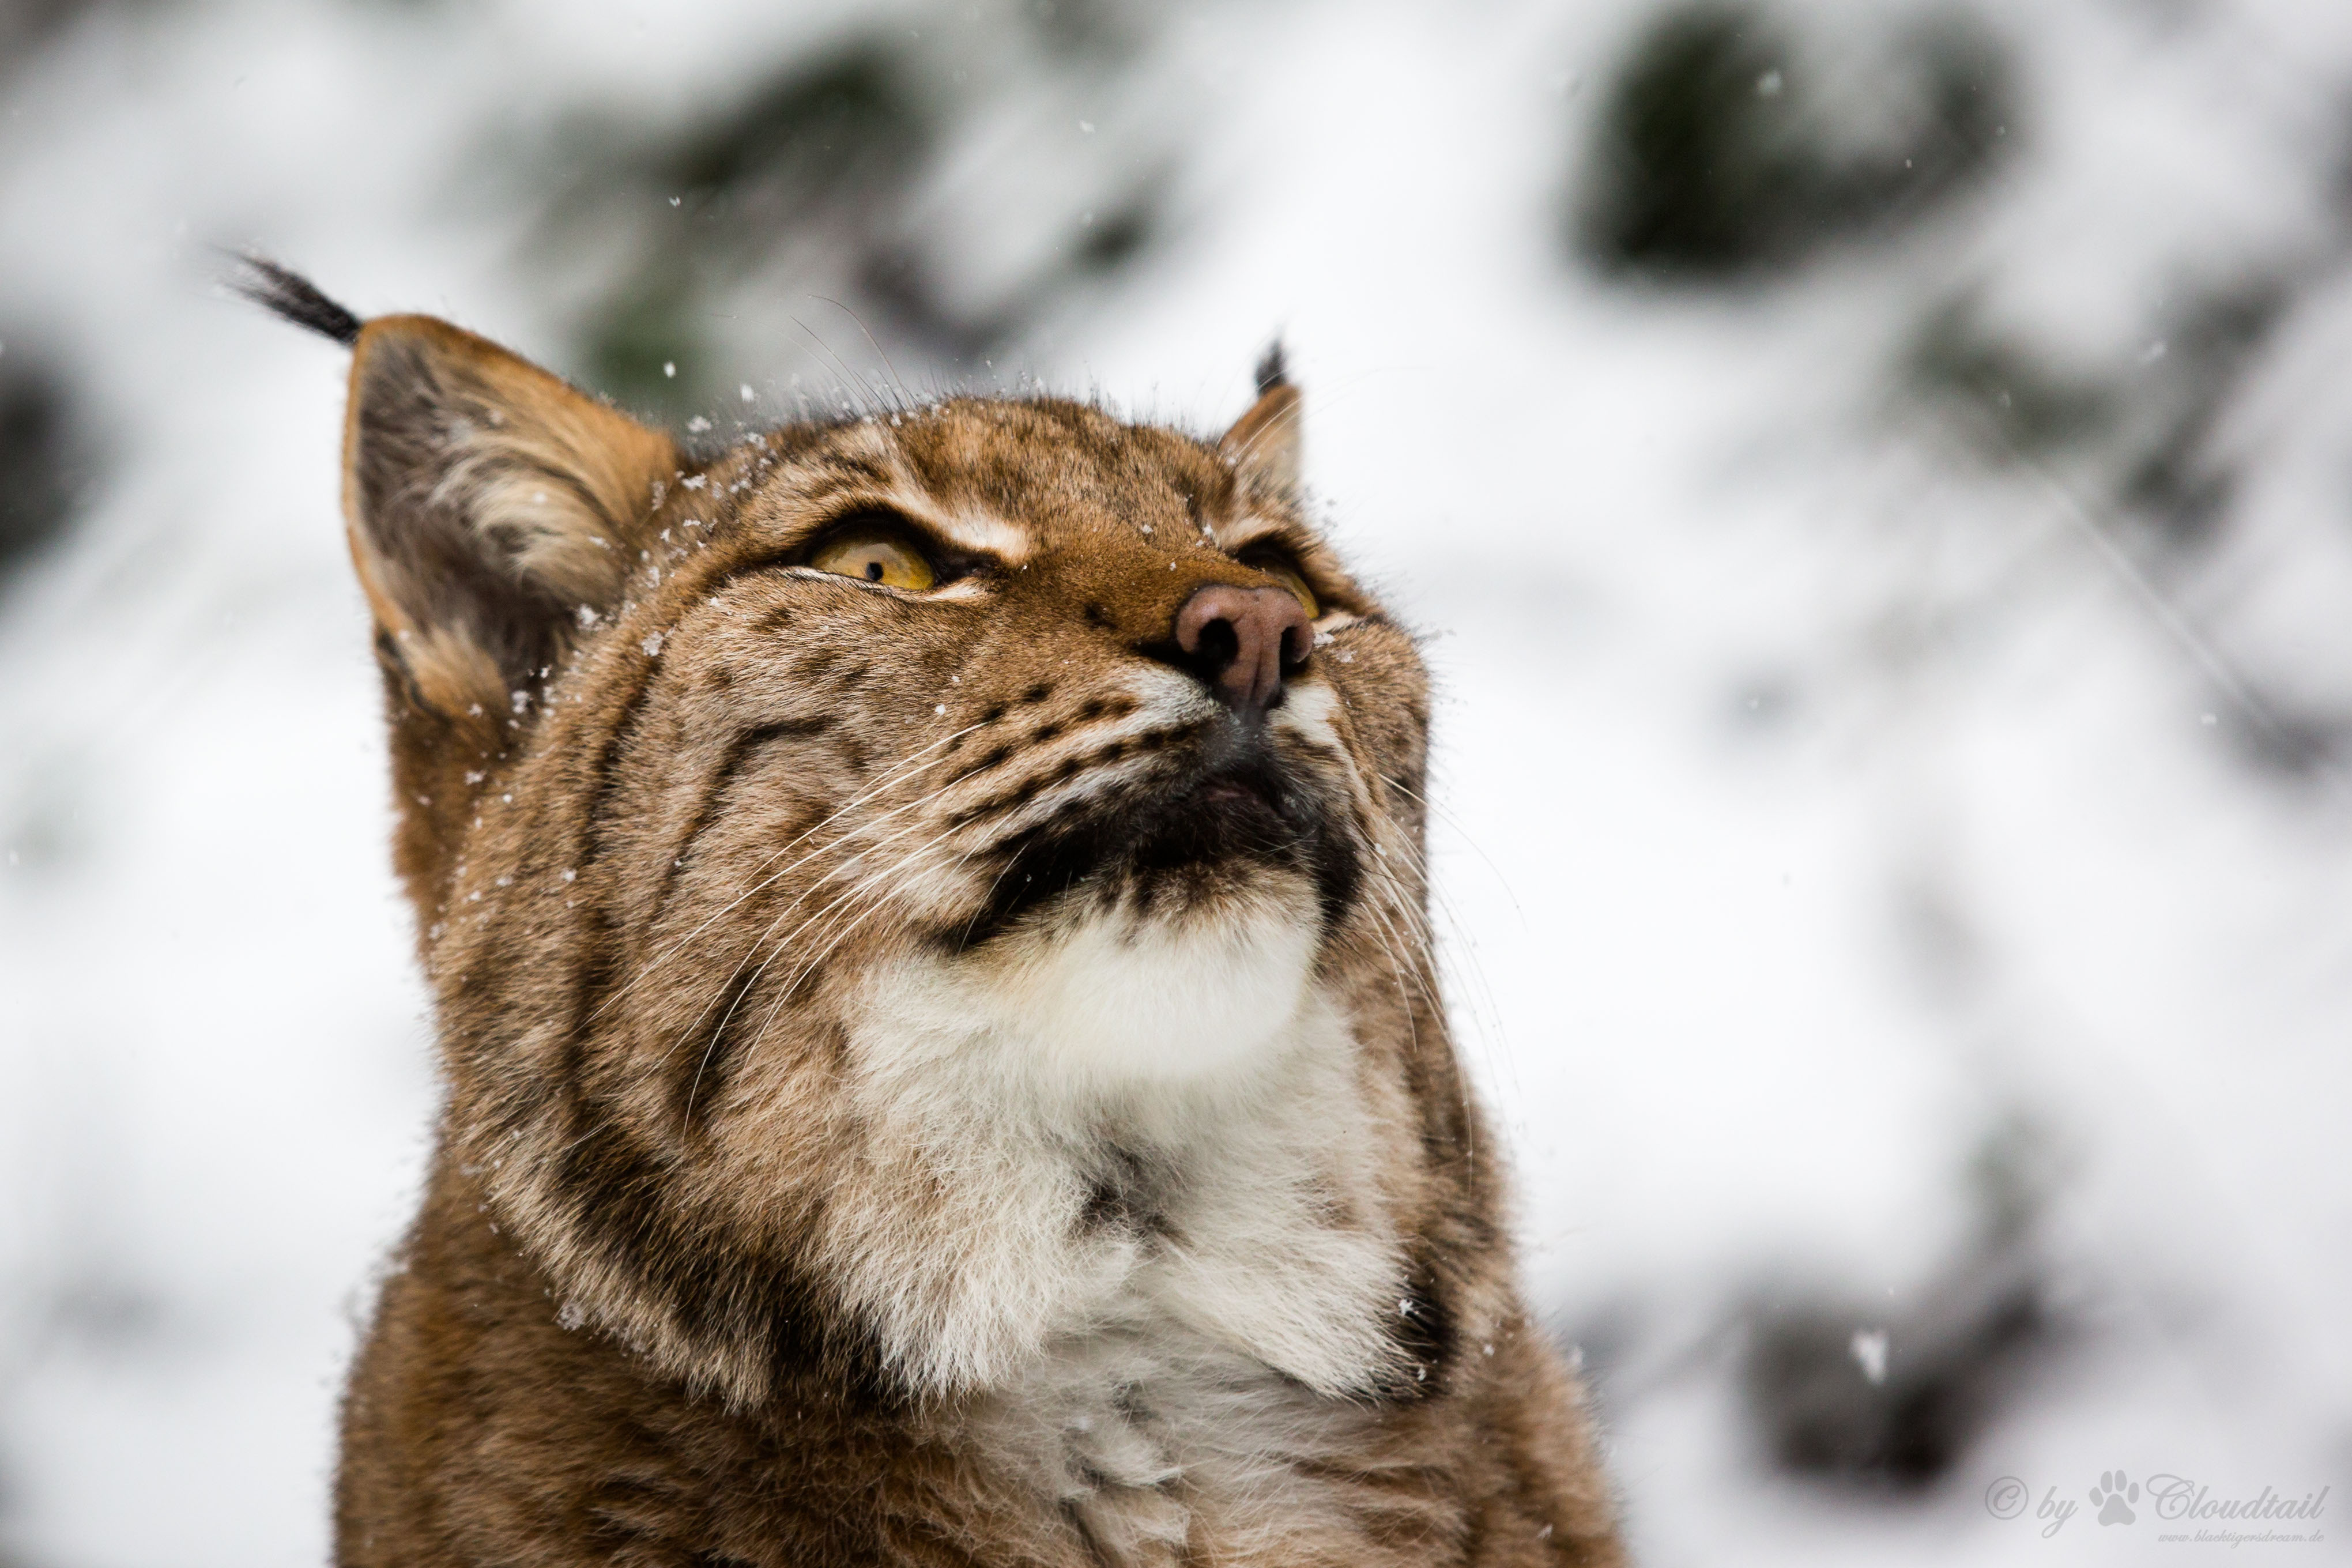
[1890,1398]
[26,25]
[1107,29]
[44,454]
[1726,151]
[1807,1383]
[2290,742]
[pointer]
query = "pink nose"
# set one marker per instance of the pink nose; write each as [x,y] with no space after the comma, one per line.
[1239,640]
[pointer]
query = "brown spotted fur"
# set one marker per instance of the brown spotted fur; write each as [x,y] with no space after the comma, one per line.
[710,1268]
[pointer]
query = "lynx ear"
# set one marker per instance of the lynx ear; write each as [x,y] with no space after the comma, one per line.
[489,505]
[1266,444]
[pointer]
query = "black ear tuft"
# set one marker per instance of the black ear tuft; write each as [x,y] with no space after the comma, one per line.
[294,297]
[1273,366]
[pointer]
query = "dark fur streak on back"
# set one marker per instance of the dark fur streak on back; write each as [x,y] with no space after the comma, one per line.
[608,761]
[714,792]
[702,1075]
[715,1288]
[594,977]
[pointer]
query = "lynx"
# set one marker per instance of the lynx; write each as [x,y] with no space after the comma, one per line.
[925,916]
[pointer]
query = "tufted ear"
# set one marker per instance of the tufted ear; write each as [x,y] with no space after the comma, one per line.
[489,505]
[1266,444]
[493,512]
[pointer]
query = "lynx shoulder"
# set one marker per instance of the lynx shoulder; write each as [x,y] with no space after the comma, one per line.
[926,918]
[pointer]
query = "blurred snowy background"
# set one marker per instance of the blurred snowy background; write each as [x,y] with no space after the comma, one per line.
[1876,479]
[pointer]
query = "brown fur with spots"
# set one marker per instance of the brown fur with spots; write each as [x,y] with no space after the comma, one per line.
[748,1238]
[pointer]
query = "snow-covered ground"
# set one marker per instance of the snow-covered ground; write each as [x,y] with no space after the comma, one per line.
[1885,857]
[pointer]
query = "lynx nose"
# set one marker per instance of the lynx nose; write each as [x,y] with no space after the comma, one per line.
[1241,640]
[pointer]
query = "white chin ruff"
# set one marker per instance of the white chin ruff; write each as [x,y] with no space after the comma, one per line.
[1112,999]
[1002,1084]
[1121,998]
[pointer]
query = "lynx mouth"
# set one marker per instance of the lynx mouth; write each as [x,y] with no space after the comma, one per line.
[1215,830]
[1239,812]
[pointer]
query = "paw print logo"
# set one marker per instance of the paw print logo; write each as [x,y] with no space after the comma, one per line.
[2113,1495]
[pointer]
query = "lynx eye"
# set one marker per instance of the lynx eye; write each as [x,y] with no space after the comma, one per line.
[875,554]
[1280,569]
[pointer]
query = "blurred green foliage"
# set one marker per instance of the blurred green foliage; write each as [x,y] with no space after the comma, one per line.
[1724,151]
[2172,476]
[799,155]
[2143,429]
[833,181]
[2015,400]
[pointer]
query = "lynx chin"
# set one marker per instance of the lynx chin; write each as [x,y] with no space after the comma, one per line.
[943,1063]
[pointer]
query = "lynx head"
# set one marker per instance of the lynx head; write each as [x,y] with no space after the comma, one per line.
[863,855]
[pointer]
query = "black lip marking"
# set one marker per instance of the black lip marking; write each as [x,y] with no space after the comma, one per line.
[1235,802]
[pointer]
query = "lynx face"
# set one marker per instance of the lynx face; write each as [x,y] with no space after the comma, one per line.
[943,1057]
[906,893]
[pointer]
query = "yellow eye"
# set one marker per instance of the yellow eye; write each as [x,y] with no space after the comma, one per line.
[1287,574]
[874,556]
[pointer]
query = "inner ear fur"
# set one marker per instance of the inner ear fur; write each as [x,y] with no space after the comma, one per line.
[1267,445]
[487,502]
